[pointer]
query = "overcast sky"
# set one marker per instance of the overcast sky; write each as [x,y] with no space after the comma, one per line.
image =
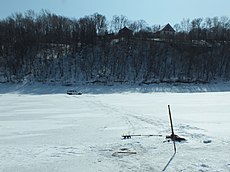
[152,11]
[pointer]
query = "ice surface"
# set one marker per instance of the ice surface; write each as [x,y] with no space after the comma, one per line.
[44,129]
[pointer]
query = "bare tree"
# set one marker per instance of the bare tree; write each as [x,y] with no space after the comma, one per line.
[118,22]
[100,23]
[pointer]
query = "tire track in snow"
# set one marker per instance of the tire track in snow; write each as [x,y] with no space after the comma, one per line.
[132,119]
[127,162]
[113,111]
[136,122]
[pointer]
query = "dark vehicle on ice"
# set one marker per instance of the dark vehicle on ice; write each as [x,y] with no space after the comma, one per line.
[73,92]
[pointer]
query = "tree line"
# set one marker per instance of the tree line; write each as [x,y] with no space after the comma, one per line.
[51,48]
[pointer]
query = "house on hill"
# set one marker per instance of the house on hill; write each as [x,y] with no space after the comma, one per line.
[167,30]
[125,32]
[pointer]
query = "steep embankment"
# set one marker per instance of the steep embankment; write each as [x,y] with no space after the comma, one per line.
[124,61]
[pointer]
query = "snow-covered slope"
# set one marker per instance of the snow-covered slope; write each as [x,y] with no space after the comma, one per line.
[42,131]
[40,88]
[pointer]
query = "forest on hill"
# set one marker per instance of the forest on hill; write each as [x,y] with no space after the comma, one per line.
[47,48]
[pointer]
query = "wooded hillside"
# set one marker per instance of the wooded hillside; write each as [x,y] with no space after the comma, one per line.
[45,47]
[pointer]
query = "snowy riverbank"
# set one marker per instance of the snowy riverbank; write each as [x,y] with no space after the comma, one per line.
[39,88]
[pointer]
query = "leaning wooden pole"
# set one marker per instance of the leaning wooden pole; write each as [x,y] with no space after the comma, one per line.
[173,135]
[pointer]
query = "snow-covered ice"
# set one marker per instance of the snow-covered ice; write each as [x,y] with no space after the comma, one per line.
[43,131]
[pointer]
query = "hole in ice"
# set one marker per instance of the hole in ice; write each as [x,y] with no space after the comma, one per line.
[123,153]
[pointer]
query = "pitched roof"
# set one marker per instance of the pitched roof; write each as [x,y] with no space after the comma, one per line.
[125,29]
[167,27]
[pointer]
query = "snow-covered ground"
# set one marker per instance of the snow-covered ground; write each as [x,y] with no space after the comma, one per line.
[44,129]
